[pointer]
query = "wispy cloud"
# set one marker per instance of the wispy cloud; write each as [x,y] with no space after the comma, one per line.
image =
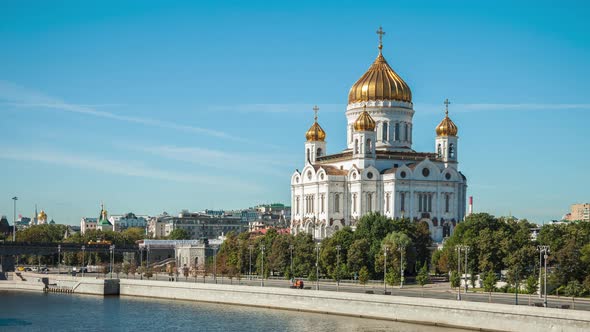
[118,167]
[491,107]
[14,95]
[217,159]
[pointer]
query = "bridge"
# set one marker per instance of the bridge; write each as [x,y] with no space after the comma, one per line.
[10,249]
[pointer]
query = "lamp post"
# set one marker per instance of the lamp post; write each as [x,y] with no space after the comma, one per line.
[262,279]
[545,250]
[540,270]
[215,264]
[250,268]
[385,250]
[112,249]
[466,252]
[58,259]
[14,220]
[317,266]
[338,247]
[459,271]
[82,268]
[402,248]
[291,247]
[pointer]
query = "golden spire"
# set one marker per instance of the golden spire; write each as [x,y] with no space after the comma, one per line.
[380,82]
[447,127]
[315,132]
[364,122]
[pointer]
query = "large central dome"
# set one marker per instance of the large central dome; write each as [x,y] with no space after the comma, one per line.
[380,83]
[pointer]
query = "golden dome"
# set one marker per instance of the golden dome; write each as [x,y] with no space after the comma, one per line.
[42,215]
[447,127]
[380,82]
[315,132]
[364,122]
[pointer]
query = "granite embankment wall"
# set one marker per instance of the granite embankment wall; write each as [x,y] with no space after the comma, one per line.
[62,283]
[473,315]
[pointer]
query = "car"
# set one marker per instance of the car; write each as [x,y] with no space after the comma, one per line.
[27,269]
[20,268]
[44,270]
[34,269]
[83,270]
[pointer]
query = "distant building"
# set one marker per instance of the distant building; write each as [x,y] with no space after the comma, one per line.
[197,225]
[101,223]
[122,222]
[578,212]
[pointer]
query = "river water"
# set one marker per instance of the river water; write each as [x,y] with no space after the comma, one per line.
[30,311]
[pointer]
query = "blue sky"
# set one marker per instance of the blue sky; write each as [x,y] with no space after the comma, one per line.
[162,106]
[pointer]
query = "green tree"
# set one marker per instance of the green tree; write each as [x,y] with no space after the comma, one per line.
[574,289]
[423,275]
[489,281]
[358,255]
[532,284]
[179,234]
[455,279]
[126,269]
[363,275]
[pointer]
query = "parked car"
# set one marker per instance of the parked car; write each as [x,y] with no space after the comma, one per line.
[27,269]
[44,270]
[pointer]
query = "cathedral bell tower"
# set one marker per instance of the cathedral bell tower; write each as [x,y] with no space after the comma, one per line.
[363,139]
[446,139]
[315,146]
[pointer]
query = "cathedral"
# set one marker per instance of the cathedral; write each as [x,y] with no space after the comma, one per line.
[379,171]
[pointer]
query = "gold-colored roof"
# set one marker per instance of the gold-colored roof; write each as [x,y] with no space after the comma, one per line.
[315,132]
[380,82]
[42,215]
[364,122]
[447,127]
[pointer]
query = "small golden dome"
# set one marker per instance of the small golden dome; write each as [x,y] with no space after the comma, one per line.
[42,215]
[447,127]
[364,122]
[315,132]
[380,82]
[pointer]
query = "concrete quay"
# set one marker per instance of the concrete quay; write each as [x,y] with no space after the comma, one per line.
[429,311]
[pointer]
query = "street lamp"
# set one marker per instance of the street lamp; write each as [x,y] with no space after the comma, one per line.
[250,268]
[466,252]
[82,268]
[291,247]
[14,220]
[545,251]
[112,249]
[214,264]
[401,248]
[459,271]
[540,270]
[317,266]
[338,247]
[385,250]
[262,279]
[58,259]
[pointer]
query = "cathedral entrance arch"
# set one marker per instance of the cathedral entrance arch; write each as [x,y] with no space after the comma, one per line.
[431,228]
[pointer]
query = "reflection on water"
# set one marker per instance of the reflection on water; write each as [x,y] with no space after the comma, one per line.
[67,312]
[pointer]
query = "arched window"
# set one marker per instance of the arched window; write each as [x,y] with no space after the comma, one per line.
[322,203]
[406,136]
[337,203]
[387,202]
[384,131]
[369,202]
[350,131]
[354,203]
[369,146]
[451,151]
[402,202]
[396,132]
[297,204]
[447,203]
[308,155]
[439,150]
[356,146]
[319,153]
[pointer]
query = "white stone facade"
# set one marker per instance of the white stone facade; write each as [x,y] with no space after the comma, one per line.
[379,172]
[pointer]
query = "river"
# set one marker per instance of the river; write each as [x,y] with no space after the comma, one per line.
[30,311]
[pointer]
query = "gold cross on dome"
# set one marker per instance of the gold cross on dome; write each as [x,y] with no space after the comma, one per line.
[447,103]
[380,32]
[315,111]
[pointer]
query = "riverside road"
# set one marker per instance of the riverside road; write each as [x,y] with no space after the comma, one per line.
[436,291]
